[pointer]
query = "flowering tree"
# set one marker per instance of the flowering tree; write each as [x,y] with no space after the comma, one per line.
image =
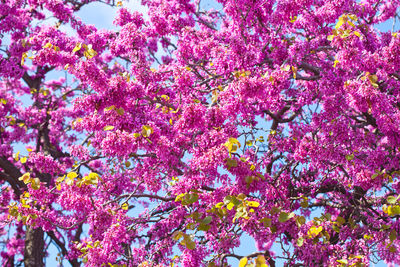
[166,140]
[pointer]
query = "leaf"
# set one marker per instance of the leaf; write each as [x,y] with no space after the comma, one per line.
[180,197]
[340,220]
[108,128]
[109,108]
[35,183]
[26,178]
[92,178]
[230,206]
[249,143]
[120,111]
[177,235]
[72,175]
[260,261]
[393,235]
[300,241]
[77,47]
[16,156]
[350,157]
[304,203]
[335,63]
[243,262]
[125,206]
[391,200]
[254,204]
[231,163]
[204,227]
[147,130]
[283,216]
[300,220]
[69,181]
[89,51]
[232,145]
[314,231]
[207,220]
[23,160]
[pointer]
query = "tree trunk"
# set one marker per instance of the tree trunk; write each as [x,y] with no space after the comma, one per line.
[34,247]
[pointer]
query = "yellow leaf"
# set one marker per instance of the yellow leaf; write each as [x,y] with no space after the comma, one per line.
[120,111]
[260,261]
[243,262]
[108,128]
[335,63]
[125,206]
[35,184]
[340,22]
[109,108]
[147,130]
[78,47]
[232,145]
[16,156]
[179,197]
[89,51]
[24,55]
[314,231]
[69,181]
[230,206]
[23,160]
[72,175]
[254,204]
[26,178]
[48,45]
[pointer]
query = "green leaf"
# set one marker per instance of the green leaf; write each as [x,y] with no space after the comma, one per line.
[300,241]
[266,221]
[177,235]
[350,157]
[231,163]
[204,227]
[340,220]
[189,199]
[207,220]
[391,200]
[283,216]
[393,235]
[300,220]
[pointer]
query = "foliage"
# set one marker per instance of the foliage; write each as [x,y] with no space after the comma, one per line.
[184,128]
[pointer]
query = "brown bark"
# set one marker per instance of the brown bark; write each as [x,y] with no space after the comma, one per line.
[34,247]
